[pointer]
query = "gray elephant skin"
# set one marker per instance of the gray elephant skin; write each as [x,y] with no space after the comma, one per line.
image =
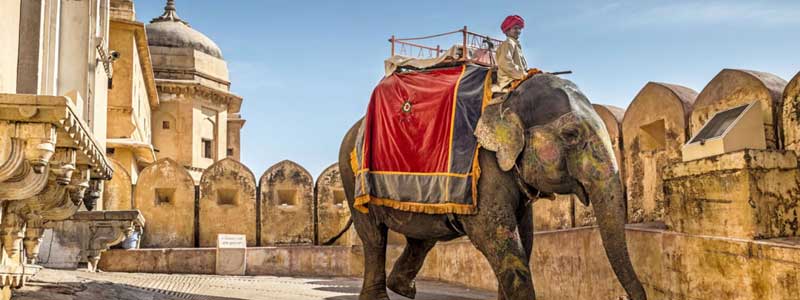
[544,137]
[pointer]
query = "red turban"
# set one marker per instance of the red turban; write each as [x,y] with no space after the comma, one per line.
[510,21]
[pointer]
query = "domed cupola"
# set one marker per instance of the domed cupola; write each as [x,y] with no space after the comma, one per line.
[169,30]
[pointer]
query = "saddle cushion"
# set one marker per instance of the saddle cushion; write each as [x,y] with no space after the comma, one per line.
[415,150]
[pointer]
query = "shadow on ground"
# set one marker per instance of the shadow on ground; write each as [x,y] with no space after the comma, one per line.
[425,291]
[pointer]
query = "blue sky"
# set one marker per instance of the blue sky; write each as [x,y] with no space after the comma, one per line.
[306,68]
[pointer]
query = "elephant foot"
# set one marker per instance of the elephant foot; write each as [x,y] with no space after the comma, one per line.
[402,286]
[374,295]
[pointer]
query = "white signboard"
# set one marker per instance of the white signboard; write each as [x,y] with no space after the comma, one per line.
[231,241]
[231,254]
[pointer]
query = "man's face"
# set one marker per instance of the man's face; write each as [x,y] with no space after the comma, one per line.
[514,32]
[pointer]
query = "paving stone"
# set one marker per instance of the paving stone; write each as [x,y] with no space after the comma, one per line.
[74,285]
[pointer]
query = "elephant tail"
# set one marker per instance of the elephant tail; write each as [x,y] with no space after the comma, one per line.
[338,235]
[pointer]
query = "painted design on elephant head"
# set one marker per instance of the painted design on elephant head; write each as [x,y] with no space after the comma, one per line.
[548,130]
[501,131]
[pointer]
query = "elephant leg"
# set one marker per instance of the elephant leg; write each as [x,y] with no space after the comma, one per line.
[499,241]
[401,279]
[525,227]
[373,236]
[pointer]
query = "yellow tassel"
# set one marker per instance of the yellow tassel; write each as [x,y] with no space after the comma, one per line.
[360,203]
[353,161]
[476,175]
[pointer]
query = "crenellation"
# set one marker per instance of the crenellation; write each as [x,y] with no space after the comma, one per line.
[332,209]
[227,202]
[287,205]
[791,114]
[172,220]
[654,128]
[732,87]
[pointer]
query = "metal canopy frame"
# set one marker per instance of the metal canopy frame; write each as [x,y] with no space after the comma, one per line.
[469,40]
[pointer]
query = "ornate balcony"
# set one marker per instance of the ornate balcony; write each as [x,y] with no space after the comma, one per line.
[49,163]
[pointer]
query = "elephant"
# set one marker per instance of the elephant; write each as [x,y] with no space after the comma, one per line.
[545,137]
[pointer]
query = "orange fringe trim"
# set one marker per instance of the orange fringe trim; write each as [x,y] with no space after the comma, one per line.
[426,208]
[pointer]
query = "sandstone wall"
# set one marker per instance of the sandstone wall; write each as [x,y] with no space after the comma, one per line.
[287,205]
[227,202]
[654,129]
[117,191]
[165,194]
[612,118]
[332,209]
[791,114]
[749,194]
[567,264]
[554,214]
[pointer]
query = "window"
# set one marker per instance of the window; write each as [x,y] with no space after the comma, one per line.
[287,197]
[164,195]
[653,136]
[230,151]
[227,196]
[208,148]
[338,197]
[165,125]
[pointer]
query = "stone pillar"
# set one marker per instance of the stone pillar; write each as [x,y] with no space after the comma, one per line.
[235,124]
[9,38]
[30,50]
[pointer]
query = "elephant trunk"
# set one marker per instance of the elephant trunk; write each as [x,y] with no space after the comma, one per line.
[594,167]
[610,211]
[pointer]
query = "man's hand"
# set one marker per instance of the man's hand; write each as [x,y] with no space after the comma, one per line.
[529,74]
[532,72]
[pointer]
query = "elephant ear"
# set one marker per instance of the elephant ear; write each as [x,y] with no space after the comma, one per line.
[500,130]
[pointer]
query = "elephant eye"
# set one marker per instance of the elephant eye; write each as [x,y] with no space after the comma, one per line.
[570,135]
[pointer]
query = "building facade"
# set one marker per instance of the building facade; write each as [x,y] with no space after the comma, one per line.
[198,121]
[55,71]
[90,97]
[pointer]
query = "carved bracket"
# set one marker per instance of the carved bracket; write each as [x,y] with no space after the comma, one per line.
[109,233]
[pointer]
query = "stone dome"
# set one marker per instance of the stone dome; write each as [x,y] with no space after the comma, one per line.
[169,30]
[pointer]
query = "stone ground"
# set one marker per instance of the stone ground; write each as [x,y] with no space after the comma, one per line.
[81,285]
